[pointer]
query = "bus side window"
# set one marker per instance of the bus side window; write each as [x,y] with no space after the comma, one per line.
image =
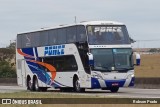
[58,63]
[48,60]
[81,34]
[43,38]
[35,39]
[65,63]
[71,34]
[52,37]
[71,63]
[62,36]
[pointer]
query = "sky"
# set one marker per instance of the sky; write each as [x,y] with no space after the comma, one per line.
[142,17]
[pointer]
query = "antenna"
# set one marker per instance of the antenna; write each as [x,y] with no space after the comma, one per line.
[75,20]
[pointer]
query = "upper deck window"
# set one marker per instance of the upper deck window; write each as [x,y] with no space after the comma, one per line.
[64,35]
[81,34]
[100,34]
[61,36]
[71,34]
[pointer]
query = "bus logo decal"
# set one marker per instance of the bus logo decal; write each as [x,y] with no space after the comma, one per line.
[28,42]
[54,50]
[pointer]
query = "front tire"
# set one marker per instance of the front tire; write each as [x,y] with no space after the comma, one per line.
[114,89]
[76,85]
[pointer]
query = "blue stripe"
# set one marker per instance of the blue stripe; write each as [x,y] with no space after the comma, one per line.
[42,75]
[132,82]
[95,83]
[36,52]
[55,85]
[35,68]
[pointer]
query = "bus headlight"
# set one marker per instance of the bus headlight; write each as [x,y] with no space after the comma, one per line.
[97,76]
[130,76]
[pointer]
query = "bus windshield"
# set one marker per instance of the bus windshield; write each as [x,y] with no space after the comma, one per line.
[105,35]
[112,59]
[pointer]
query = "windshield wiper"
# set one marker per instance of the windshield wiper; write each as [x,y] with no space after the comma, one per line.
[124,69]
[103,68]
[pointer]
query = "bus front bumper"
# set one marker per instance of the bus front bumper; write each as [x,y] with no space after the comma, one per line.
[99,83]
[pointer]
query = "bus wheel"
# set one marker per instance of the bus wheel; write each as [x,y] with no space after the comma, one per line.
[35,85]
[29,84]
[76,84]
[114,89]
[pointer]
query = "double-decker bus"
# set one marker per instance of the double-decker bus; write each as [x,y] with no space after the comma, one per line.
[86,55]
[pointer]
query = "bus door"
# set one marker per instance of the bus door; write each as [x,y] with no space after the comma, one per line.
[21,73]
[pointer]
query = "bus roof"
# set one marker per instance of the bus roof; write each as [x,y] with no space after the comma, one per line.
[101,23]
[81,23]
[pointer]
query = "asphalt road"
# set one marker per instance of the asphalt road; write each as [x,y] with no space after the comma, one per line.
[122,93]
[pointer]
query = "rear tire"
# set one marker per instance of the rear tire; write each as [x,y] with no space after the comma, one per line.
[114,89]
[36,85]
[29,84]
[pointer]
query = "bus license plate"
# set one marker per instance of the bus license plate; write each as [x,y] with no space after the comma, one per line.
[115,84]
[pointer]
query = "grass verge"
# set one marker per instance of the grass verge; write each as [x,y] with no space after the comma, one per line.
[25,94]
[150,66]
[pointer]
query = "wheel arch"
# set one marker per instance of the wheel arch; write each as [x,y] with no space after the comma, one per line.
[34,77]
[27,79]
[75,76]
[29,82]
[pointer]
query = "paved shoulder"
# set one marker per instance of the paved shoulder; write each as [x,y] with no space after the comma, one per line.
[122,93]
[9,89]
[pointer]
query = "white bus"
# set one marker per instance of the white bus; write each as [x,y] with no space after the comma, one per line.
[86,55]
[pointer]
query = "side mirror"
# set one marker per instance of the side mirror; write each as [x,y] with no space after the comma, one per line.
[90,57]
[138,59]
